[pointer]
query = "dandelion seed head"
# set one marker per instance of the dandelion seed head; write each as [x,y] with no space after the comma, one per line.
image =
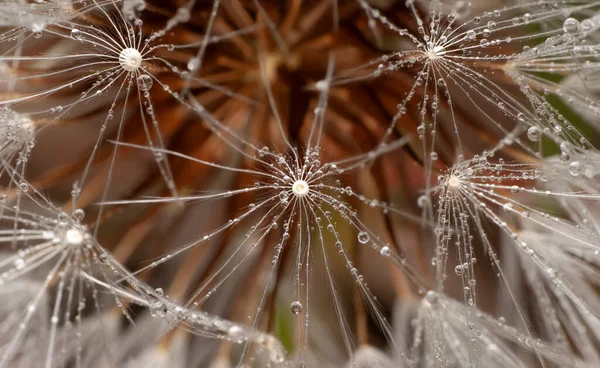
[130,59]
[477,74]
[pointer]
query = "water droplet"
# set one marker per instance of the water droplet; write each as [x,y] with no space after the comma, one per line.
[193,64]
[571,25]
[431,297]
[533,133]
[422,201]
[158,309]
[76,34]
[296,307]
[385,251]
[19,263]
[575,168]
[459,270]
[144,82]
[363,237]
[78,214]
[587,24]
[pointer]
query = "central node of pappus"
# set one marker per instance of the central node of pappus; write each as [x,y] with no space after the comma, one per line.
[300,188]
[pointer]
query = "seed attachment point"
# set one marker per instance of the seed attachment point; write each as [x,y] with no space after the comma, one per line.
[454,182]
[130,59]
[300,188]
[74,237]
[436,52]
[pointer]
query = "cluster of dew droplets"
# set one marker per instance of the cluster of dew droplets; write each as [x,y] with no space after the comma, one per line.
[20,261]
[577,160]
[16,132]
[161,306]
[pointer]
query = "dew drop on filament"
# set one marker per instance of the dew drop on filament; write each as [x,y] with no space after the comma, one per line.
[144,82]
[385,251]
[533,134]
[575,168]
[296,307]
[158,309]
[459,270]
[76,34]
[571,25]
[19,263]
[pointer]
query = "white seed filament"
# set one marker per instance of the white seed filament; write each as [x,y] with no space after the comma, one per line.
[300,188]
[130,59]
